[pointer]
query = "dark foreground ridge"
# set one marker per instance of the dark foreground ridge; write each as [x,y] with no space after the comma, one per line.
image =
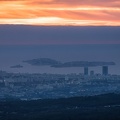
[100,107]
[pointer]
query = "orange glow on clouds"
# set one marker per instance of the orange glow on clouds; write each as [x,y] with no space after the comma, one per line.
[60,12]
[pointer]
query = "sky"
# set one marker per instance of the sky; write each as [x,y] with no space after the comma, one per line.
[52,35]
[36,22]
[60,12]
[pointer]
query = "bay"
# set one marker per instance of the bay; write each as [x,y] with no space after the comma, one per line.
[14,54]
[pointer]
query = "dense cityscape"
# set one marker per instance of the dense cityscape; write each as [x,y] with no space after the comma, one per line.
[27,86]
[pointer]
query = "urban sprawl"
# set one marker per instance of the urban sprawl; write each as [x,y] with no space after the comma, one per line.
[25,86]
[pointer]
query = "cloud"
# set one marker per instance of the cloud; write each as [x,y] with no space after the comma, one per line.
[79,2]
[70,2]
[69,12]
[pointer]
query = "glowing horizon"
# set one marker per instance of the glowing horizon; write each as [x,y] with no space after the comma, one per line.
[60,12]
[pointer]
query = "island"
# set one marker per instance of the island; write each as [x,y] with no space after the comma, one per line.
[42,61]
[83,64]
[17,66]
[58,64]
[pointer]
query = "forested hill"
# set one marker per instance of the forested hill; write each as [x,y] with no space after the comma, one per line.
[100,107]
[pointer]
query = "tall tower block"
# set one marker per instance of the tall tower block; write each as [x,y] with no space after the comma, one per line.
[85,70]
[105,70]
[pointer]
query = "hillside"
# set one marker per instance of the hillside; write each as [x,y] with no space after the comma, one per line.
[101,107]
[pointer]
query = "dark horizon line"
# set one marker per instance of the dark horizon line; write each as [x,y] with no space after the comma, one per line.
[60,44]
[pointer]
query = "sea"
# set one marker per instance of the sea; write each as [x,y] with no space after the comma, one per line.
[11,55]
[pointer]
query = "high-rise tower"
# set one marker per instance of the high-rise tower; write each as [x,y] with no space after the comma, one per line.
[85,70]
[105,70]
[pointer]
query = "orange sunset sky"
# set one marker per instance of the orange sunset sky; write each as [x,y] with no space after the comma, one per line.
[60,12]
